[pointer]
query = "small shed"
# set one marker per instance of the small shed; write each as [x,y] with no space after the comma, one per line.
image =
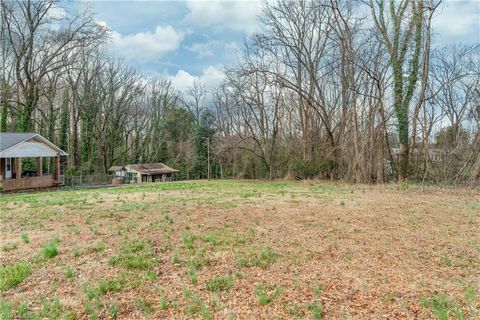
[14,146]
[150,172]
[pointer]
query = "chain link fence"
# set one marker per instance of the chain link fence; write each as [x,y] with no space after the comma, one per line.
[87,180]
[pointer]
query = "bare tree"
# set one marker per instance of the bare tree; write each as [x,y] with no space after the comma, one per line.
[42,43]
[402,35]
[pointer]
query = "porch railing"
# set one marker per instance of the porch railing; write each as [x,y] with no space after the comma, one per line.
[27,183]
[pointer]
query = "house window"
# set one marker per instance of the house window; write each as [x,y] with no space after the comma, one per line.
[9,164]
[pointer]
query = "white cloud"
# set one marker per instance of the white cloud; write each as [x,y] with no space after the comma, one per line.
[212,47]
[210,77]
[147,45]
[102,24]
[182,80]
[457,21]
[205,49]
[56,13]
[235,14]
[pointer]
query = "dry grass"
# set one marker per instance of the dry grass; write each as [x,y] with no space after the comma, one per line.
[243,250]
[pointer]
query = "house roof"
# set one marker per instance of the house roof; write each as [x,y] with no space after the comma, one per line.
[9,139]
[21,144]
[116,168]
[151,168]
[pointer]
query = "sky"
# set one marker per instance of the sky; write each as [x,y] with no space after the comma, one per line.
[193,40]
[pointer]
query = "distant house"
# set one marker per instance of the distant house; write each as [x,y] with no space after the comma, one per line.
[15,146]
[146,172]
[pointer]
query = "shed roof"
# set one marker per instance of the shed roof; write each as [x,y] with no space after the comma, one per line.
[27,144]
[151,168]
[116,168]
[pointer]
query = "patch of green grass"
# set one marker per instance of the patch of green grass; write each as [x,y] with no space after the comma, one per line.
[168,218]
[25,238]
[188,241]
[389,297]
[199,260]
[192,273]
[250,195]
[49,309]
[91,310]
[220,284]
[470,294]
[152,275]
[95,230]
[474,205]
[211,238]
[263,259]
[195,305]
[14,274]
[9,247]
[104,286]
[76,253]
[54,310]
[443,307]
[134,206]
[136,254]
[266,293]
[22,310]
[316,310]
[70,273]
[163,303]
[113,311]
[445,261]
[96,247]
[6,310]
[176,258]
[50,250]
[144,306]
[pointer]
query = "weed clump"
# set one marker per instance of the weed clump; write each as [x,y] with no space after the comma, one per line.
[263,259]
[13,275]
[50,250]
[135,254]
[25,238]
[266,293]
[220,284]
[443,307]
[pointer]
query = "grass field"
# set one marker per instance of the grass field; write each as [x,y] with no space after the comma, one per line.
[241,250]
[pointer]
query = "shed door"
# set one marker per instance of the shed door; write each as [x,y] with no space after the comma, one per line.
[8,168]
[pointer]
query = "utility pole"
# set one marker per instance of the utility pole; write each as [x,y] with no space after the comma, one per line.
[208,156]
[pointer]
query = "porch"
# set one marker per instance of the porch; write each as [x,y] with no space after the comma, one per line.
[22,163]
[14,177]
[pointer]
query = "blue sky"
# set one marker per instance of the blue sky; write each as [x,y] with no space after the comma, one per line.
[194,39]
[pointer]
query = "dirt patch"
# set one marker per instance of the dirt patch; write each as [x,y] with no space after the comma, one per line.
[246,250]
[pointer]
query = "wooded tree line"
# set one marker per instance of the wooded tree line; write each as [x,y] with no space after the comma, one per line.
[332,89]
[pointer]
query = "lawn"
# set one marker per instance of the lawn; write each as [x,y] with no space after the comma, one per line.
[241,250]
